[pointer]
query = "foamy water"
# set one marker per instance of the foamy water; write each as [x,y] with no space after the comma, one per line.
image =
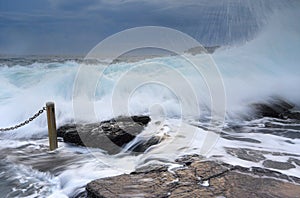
[252,72]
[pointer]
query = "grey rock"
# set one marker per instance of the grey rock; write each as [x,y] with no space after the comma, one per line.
[245,154]
[110,135]
[276,108]
[292,115]
[202,50]
[230,137]
[278,165]
[296,161]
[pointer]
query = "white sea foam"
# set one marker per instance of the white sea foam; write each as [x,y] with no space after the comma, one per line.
[266,66]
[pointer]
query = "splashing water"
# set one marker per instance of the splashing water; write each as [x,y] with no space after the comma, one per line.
[264,64]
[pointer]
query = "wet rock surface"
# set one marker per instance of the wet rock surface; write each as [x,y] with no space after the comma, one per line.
[144,145]
[109,135]
[246,154]
[259,156]
[243,139]
[276,108]
[278,165]
[197,178]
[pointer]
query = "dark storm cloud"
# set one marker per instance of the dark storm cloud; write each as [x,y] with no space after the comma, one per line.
[75,26]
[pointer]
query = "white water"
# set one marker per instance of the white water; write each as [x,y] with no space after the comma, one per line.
[265,66]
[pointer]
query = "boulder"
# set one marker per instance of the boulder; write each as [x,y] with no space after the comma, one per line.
[110,135]
[276,108]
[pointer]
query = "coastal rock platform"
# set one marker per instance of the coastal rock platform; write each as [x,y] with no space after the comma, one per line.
[196,178]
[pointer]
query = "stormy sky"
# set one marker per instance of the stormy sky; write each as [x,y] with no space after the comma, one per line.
[76,26]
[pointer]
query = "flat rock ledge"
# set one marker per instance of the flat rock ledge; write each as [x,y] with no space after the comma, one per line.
[111,135]
[196,178]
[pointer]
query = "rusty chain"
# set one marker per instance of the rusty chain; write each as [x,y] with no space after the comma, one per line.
[25,122]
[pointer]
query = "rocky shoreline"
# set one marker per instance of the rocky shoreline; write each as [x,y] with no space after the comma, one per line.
[196,178]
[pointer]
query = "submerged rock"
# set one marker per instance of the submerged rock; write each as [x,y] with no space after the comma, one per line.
[110,135]
[259,156]
[278,165]
[196,179]
[145,144]
[245,154]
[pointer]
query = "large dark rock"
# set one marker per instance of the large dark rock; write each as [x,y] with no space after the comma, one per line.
[276,108]
[197,179]
[110,135]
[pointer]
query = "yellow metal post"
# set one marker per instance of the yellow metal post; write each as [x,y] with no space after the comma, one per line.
[51,126]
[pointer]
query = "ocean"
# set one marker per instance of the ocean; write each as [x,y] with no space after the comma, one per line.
[259,70]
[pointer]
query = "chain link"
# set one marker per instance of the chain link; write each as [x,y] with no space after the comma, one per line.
[25,122]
